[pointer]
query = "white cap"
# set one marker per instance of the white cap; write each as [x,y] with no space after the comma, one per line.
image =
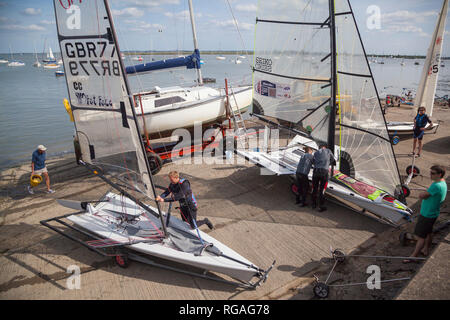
[41,147]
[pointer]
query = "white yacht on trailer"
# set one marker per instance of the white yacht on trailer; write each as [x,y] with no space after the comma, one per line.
[113,150]
[331,102]
[166,109]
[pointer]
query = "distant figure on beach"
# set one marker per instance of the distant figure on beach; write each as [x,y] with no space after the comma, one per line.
[180,190]
[429,211]
[420,122]
[38,167]
[303,168]
[321,160]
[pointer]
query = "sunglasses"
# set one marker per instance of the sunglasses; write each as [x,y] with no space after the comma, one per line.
[432,172]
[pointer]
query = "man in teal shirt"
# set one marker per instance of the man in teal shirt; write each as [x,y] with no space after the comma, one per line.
[429,211]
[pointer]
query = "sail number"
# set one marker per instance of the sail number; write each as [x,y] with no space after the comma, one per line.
[91,59]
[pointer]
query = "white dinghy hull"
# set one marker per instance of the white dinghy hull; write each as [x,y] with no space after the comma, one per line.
[101,221]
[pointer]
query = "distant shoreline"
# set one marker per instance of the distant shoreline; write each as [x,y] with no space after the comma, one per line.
[231,52]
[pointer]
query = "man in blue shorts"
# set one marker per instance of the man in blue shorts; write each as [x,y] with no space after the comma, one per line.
[429,211]
[38,167]
[420,122]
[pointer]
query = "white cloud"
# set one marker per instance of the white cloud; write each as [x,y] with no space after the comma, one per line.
[47,22]
[230,23]
[150,3]
[32,12]
[406,21]
[128,12]
[31,27]
[246,7]
[142,26]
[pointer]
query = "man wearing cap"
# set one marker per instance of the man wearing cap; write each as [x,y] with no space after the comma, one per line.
[38,167]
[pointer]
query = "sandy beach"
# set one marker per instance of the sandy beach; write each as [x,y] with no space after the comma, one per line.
[254,215]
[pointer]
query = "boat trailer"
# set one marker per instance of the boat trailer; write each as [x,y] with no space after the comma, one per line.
[322,289]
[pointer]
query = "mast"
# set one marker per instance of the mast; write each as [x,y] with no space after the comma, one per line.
[194,35]
[332,122]
[127,87]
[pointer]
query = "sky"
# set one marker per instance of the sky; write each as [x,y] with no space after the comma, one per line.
[405,26]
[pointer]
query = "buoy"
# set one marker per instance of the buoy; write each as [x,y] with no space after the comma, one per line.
[35,180]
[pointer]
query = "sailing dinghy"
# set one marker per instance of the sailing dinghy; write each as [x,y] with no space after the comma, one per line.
[122,224]
[427,87]
[323,93]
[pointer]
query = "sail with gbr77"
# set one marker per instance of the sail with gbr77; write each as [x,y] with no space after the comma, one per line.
[111,147]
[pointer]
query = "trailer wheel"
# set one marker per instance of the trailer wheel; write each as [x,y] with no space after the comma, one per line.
[77,149]
[415,170]
[395,140]
[294,188]
[257,109]
[321,290]
[338,255]
[406,191]
[122,261]
[155,162]
[346,164]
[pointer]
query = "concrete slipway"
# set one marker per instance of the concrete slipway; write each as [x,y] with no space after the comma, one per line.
[252,213]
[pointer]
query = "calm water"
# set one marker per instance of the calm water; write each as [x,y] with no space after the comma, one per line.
[32,111]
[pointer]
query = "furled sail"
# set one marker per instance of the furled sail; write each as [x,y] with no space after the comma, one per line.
[362,128]
[291,78]
[428,81]
[105,120]
[190,62]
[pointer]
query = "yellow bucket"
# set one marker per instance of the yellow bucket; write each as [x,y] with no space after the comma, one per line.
[35,180]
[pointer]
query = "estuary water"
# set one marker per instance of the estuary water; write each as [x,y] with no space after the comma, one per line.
[32,110]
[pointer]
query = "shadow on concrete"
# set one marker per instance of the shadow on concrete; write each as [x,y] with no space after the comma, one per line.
[439,146]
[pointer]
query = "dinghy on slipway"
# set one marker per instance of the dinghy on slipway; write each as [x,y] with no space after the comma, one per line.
[333,101]
[122,224]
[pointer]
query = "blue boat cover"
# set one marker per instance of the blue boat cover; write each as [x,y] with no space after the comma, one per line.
[190,62]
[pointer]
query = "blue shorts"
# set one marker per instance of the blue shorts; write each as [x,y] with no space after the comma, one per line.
[418,134]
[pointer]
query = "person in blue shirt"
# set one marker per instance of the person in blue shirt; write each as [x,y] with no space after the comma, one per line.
[303,168]
[38,167]
[420,122]
[180,190]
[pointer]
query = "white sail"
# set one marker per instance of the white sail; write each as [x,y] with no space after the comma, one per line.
[102,108]
[428,81]
[50,54]
[362,128]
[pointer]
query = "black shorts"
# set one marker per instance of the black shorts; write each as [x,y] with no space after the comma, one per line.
[424,226]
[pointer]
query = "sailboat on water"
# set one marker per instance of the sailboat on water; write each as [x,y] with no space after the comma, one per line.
[36,64]
[327,102]
[14,63]
[166,109]
[123,224]
[426,91]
